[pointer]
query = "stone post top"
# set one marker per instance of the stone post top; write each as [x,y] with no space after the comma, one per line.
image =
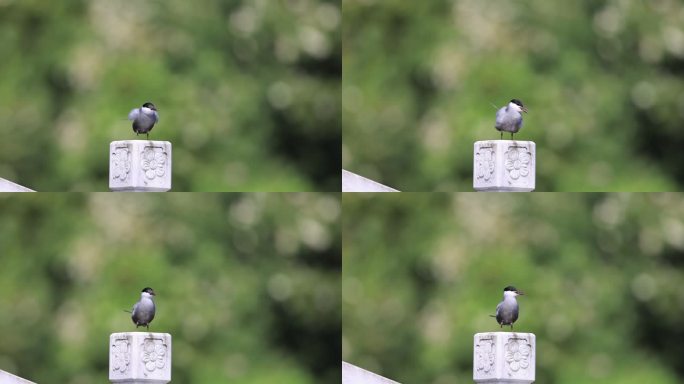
[142,141]
[157,334]
[505,141]
[509,334]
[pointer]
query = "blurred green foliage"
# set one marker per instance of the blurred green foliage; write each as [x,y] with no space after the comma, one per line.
[247,285]
[602,273]
[248,91]
[602,80]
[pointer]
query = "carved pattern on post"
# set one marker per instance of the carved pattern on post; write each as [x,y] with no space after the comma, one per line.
[485,355]
[485,164]
[121,355]
[517,354]
[517,162]
[121,163]
[153,354]
[153,162]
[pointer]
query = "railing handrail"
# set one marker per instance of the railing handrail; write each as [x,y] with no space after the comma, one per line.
[8,186]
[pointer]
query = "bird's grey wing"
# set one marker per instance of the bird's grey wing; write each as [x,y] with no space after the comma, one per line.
[134,114]
[498,312]
[135,308]
[500,117]
[515,314]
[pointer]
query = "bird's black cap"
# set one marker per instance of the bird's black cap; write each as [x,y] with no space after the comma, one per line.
[518,102]
[152,107]
[510,288]
[148,290]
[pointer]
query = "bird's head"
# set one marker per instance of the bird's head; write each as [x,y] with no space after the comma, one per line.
[512,291]
[517,105]
[149,105]
[147,291]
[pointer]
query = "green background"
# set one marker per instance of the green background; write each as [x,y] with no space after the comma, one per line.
[602,276]
[247,285]
[603,82]
[248,92]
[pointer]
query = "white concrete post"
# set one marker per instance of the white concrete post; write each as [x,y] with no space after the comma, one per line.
[352,374]
[504,358]
[140,166]
[504,166]
[140,358]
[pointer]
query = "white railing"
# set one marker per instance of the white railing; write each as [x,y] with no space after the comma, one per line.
[8,378]
[352,374]
[8,186]
[352,182]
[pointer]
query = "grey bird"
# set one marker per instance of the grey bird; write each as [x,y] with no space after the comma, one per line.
[144,118]
[509,118]
[507,310]
[143,310]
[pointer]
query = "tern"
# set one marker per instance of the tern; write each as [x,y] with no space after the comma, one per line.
[507,311]
[143,311]
[144,118]
[509,118]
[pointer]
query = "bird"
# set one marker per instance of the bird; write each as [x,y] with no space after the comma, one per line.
[509,118]
[507,310]
[144,310]
[144,118]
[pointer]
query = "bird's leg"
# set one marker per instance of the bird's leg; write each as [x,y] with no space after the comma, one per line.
[501,137]
[148,136]
[511,135]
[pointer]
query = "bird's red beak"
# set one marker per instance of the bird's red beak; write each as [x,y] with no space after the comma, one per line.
[524,110]
[519,292]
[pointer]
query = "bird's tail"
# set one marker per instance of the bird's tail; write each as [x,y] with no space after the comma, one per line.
[126,310]
[495,107]
[492,315]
